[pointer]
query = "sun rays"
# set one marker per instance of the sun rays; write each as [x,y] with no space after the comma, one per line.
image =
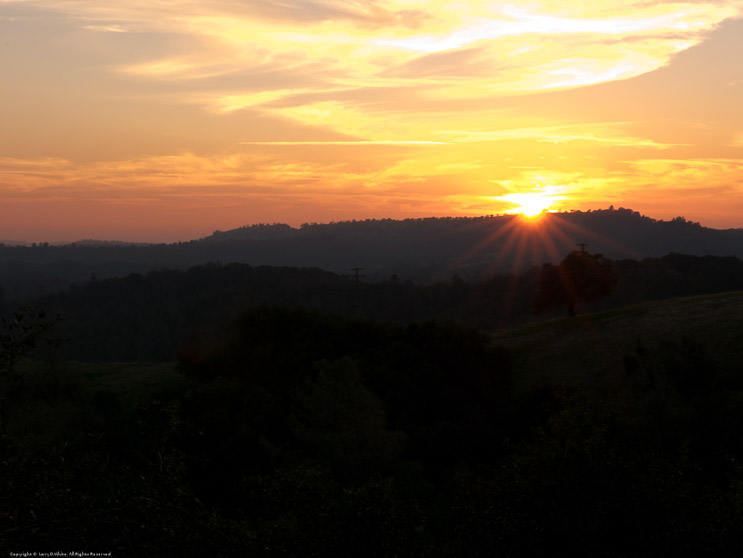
[517,243]
[535,203]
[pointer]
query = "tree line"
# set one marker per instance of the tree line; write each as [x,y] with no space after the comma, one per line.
[146,317]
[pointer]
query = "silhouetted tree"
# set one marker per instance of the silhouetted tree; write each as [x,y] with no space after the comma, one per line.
[19,335]
[579,277]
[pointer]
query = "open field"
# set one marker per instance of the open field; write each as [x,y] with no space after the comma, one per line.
[129,381]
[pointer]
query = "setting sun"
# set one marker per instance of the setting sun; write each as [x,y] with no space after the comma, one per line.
[530,204]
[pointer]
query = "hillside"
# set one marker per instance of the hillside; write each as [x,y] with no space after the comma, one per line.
[423,250]
[586,352]
[591,350]
[149,317]
[296,432]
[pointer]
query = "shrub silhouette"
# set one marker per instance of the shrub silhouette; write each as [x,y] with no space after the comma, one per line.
[580,277]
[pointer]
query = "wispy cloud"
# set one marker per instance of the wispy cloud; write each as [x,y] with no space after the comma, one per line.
[106,28]
[346,142]
[539,45]
[390,105]
[468,50]
[556,134]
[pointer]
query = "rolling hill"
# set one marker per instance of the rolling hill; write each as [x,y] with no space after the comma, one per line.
[422,250]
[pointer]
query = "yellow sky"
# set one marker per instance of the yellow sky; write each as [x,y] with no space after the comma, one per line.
[163,120]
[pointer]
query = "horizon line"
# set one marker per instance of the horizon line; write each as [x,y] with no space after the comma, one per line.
[89,240]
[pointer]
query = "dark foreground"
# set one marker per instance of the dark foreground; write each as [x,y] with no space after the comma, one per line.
[296,433]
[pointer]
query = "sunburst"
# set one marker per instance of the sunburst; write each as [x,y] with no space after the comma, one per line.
[531,204]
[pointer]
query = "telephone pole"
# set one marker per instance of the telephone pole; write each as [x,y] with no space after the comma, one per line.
[356,276]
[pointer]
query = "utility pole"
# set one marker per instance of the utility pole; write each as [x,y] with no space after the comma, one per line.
[356,275]
[582,246]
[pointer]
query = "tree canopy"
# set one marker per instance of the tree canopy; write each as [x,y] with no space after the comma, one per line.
[580,277]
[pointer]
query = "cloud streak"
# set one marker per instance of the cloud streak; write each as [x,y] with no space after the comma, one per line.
[349,142]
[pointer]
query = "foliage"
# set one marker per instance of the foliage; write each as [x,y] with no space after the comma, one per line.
[340,420]
[297,433]
[580,487]
[151,317]
[580,277]
[20,334]
[350,393]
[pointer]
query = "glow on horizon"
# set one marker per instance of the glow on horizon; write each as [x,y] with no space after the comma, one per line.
[167,120]
[535,202]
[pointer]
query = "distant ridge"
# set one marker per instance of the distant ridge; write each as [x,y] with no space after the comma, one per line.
[260,231]
[84,242]
[93,242]
[424,250]
[503,243]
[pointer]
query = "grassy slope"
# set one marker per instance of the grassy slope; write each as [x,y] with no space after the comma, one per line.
[588,350]
[136,381]
[130,381]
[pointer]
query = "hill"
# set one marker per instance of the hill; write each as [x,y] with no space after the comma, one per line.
[148,317]
[594,351]
[423,250]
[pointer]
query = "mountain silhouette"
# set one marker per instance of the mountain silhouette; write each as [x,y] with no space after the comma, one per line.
[424,250]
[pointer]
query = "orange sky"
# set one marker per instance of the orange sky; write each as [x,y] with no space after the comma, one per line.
[162,120]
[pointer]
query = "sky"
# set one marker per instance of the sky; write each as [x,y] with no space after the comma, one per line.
[164,120]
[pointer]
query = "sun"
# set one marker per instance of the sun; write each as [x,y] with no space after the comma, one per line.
[540,200]
[529,205]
